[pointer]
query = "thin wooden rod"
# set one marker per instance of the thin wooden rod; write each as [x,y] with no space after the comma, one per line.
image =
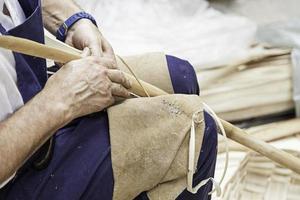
[277,155]
[61,55]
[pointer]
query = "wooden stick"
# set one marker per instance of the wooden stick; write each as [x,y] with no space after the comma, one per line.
[39,50]
[267,133]
[281,157]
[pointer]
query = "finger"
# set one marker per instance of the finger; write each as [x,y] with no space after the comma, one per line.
[117,76]
[86,52]
[119,91]
[96,49]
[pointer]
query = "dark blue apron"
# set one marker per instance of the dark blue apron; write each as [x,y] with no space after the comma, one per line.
[81,167]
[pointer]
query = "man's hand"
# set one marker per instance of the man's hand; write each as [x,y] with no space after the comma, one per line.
[86,86]
[85,34]
[79,88]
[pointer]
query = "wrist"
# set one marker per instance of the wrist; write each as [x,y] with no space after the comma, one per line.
[74,20]
[56,12]
[55,110]
[79,25]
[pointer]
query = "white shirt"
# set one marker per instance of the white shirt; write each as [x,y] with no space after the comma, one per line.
[10,97]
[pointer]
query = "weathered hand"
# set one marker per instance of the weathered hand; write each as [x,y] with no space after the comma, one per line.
[86,86]
[85,34]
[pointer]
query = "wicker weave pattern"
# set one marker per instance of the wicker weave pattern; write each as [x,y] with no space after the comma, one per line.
[258,178]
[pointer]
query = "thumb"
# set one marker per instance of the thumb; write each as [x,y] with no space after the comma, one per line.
[86,52]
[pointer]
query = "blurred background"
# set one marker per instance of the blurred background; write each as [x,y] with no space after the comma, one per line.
[197,30]
[246,56]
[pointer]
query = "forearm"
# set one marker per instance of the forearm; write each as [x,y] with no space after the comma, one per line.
[25,131]
[55,12]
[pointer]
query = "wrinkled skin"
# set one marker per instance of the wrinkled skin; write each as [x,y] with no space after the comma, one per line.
[89,85]
[85,34]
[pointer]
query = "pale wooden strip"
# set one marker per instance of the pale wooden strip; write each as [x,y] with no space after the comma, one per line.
[268,132]
[267,186]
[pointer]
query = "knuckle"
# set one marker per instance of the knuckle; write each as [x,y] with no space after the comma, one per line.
[121,88]
[110,100]
[121,75]
[114,59]
[123,91]
[104,71]
[120,72]
[109,86]
[123,78]
[110,62]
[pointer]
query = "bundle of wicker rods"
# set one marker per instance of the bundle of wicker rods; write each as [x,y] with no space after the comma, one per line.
[259,178]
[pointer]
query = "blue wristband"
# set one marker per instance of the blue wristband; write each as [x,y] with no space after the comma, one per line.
[63,29]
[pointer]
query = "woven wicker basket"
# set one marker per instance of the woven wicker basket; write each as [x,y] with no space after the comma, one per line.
[258,178]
